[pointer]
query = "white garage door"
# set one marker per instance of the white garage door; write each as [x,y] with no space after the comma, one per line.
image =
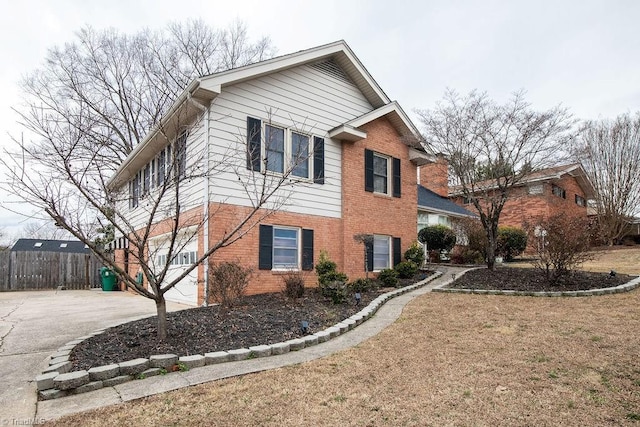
[186,291]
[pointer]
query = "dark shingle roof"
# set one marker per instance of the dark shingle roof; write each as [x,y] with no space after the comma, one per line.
[41,245]
[427,199]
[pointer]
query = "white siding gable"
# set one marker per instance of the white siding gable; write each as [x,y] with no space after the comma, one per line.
[311,99]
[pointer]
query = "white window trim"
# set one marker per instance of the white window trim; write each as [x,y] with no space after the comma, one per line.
[298,248]
[389,173]
[389,260]
[288,151]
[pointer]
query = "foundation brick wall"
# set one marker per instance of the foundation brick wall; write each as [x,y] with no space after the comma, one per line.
[368,213]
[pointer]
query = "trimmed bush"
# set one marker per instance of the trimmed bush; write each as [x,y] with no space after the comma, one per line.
[388,277]
[415,254]
[325,265]
[438,238]
[406,269]
[512,241]
[332,283]
[362,285]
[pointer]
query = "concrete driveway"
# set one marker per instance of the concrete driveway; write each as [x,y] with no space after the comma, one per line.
[35,324]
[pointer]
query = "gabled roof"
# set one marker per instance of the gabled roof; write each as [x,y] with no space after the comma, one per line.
[549,174]
[339,51]
[203,90]
[41,245]
[433,202]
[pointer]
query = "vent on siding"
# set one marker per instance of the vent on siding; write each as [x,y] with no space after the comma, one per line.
[332,69]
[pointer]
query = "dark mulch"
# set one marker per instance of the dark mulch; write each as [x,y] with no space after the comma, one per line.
[255,320]
[529,279]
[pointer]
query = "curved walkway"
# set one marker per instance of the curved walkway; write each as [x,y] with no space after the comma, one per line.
[386,315]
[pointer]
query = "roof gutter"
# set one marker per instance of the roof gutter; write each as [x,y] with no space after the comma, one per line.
[184,97]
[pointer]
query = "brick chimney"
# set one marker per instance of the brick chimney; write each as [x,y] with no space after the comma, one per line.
[435,176]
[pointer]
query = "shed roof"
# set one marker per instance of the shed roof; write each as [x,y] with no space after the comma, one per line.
[42,245]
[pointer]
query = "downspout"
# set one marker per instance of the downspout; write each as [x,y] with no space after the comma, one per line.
[206,205]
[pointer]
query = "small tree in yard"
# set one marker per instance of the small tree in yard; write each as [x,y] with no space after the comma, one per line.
[562,244]
[512,241]
[438,238]
[91,104]
[492,147]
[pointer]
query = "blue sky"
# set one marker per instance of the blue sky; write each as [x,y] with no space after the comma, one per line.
[582,54]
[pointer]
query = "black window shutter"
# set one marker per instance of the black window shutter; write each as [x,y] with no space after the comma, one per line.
[397,251]
[368,170]
[254,137]
[318,160]
[307,250]
[265,257]
[369,248]
[396,178]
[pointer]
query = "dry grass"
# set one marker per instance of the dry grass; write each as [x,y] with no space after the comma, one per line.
[623,259]
[449,360]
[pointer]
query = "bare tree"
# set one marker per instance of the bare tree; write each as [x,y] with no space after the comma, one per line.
[609,151]
[81,200]
[110,89]
[44,230]
[491,148]
[87,108]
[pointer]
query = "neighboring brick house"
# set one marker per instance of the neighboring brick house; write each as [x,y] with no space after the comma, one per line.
[561,189]
[360,176]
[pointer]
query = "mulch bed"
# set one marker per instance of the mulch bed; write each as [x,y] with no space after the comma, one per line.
[529,279]
[254,320]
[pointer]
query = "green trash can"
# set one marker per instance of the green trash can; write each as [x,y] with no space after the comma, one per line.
[108,279]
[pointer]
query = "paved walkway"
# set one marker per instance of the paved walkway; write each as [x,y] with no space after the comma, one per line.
[385,316]
[34,324]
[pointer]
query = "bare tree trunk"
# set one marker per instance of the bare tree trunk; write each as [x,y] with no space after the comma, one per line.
[161,308]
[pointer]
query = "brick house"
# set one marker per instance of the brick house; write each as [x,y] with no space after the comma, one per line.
[560,189]
[360,175]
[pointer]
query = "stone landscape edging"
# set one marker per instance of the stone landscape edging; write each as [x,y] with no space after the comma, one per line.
[626,287]
[59,381]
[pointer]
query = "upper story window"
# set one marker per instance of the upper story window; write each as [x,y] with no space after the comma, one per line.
[284,151]
[558,191]
[299,155]
[274,148]
[382,174]
[163,166]
[581,201]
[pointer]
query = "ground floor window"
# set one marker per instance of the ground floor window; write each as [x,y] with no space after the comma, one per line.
[285,248]
[381,252]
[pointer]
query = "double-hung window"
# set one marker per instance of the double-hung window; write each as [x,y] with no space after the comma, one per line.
[381,252]
[299,155]
[380,174]
[274,148]
[280,150]
[285,248]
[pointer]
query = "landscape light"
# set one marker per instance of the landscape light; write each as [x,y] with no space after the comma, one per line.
[358,298]
[304,327]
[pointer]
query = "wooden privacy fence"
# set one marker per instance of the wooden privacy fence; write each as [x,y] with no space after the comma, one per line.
[31,270]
